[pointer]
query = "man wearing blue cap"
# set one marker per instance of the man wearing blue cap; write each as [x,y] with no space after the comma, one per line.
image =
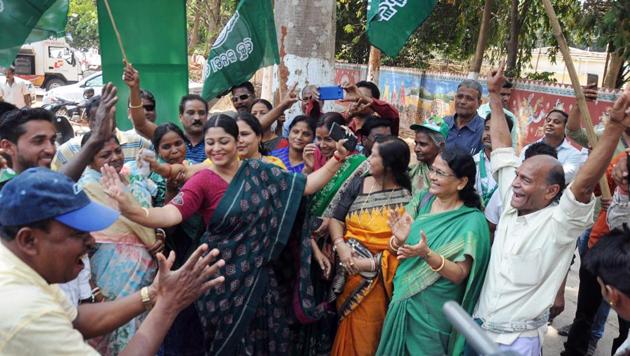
[44,228]
[430,140]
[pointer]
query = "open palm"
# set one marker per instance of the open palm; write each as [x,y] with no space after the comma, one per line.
[400,224]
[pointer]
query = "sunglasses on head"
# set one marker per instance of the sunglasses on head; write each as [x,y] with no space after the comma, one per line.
[149,107]
[240,97]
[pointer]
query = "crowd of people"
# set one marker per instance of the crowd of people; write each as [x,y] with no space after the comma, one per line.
[246,234]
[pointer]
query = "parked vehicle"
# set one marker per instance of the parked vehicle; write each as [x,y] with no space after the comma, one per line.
[47,64]
[74,92]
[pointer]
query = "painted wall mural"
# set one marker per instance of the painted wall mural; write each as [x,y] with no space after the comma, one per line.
[422,96]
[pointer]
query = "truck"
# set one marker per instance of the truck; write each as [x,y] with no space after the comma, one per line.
[47,64]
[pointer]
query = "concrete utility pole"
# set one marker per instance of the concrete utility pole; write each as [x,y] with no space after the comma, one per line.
[306,39]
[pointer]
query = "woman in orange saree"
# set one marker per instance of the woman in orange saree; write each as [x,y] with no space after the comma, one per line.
[360,233]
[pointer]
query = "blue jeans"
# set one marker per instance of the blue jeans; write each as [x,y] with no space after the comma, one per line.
[599,322]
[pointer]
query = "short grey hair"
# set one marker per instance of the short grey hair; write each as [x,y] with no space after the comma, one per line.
[472,84]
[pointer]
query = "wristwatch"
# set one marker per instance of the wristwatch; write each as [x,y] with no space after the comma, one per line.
[146,299]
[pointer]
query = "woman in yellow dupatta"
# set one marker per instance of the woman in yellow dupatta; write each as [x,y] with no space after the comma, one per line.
[364,286]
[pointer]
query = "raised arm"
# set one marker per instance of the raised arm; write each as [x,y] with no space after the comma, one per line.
[273,115]
[165,216]
[574,122]
[102,131]
[170,292]
[499,131]
[318,179]
[142,126]
[600,157]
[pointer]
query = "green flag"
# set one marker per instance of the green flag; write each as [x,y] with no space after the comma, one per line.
[247,43]
[25,21]
[153,33]
[391,22]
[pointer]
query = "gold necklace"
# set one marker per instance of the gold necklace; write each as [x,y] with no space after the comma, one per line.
[362,211]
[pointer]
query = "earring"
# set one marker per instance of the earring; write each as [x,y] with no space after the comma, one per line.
[612,304]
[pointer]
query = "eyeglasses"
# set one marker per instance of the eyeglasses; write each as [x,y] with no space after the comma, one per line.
[240,97]
[439,173]
[149,107]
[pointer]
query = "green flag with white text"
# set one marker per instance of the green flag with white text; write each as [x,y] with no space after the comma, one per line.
[26,21]
[246,43]
[391,22]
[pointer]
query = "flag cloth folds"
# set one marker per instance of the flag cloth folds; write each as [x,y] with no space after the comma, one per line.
[246,43]
[391,22]
[26,21]
[153,34]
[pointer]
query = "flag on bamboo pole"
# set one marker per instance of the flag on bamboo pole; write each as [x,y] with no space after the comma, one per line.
[246,43]
[26,21]
[153,33]
[391,22]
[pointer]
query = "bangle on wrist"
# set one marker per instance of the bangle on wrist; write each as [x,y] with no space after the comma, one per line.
[441,265]
[131,106]
[146,212]
[338,157]
[391,243]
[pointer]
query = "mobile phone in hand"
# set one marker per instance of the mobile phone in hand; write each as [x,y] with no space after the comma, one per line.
[339,133]
[330,92]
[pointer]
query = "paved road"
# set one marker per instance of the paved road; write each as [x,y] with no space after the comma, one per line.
[554,343]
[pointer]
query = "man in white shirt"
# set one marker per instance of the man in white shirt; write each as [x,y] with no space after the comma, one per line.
[14,91]
[536,235]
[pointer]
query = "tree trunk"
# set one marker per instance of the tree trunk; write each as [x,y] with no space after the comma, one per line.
[306,40]
[194,33]
[374,65]
[616,63]
[512,47]
[482,41]
[214,20]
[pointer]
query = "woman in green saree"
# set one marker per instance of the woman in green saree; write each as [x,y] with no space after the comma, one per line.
[443,243]
[249,208]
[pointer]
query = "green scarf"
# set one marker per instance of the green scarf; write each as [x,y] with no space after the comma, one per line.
[322,199]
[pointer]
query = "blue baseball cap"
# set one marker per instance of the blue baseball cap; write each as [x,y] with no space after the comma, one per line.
[39,194]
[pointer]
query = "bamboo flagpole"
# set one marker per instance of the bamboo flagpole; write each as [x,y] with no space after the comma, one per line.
[575,81]
[120,44]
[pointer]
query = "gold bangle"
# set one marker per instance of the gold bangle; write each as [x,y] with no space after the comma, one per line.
[131,106]
[146,212]
[391,243]
[441,266]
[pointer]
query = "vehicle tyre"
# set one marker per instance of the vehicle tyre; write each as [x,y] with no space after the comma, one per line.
[54,83]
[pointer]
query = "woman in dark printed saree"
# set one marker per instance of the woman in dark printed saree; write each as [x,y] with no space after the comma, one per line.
[249,207]
[443,243]
[360,233]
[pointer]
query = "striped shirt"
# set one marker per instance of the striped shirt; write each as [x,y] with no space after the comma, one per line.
[196,154]
[130,142]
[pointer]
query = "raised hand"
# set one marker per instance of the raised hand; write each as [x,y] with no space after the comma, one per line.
[496,79]
[590,92]
[620,112]
[114,187]
[131,76]
[400,223]
[182,287]
[290,98]
[104,123]
[421,249]
[309,156]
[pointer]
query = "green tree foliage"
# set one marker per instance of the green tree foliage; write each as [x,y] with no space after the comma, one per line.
[450,33]
[82,24]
